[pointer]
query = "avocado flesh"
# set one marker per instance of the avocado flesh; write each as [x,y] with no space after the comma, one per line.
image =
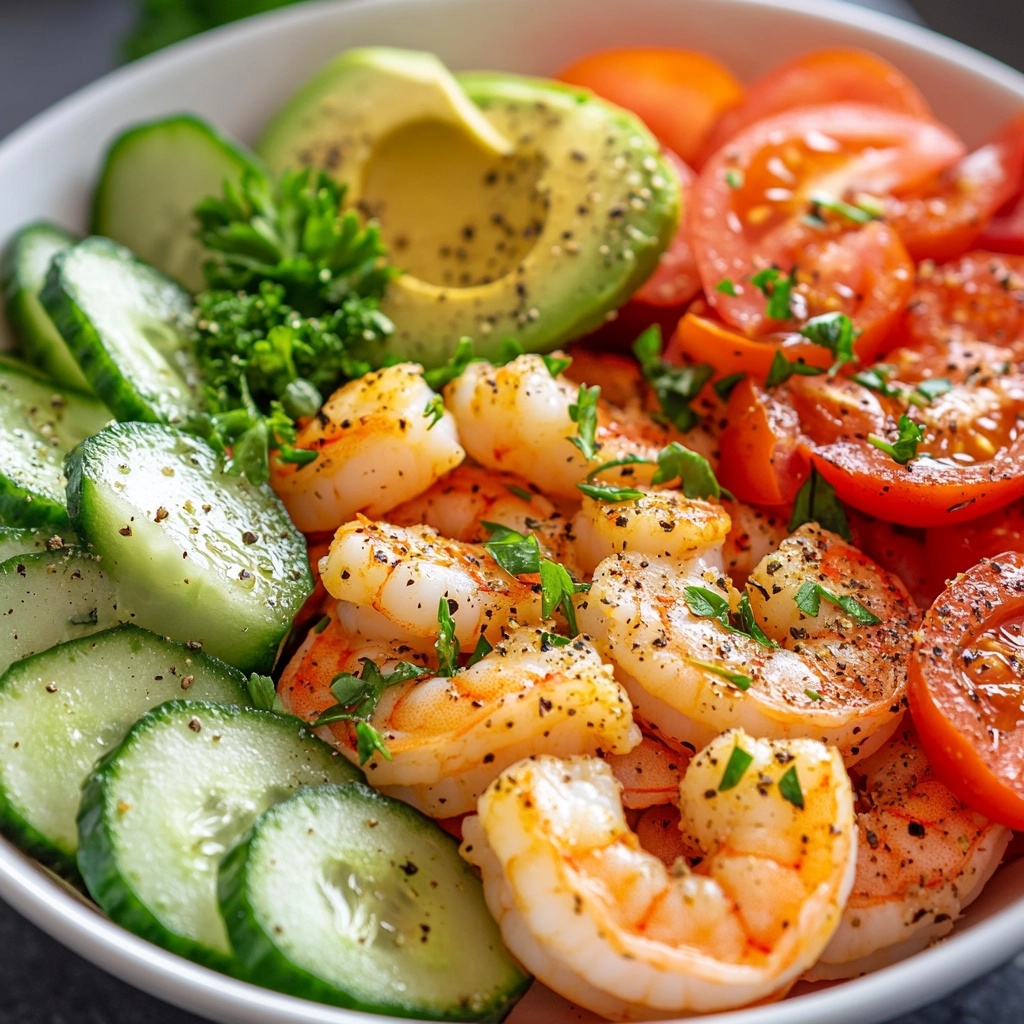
[537,243]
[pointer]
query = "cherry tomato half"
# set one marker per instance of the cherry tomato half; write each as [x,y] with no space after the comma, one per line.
[944,218]
[834,75]
[969,461]
[783,194]
[678,94]
[966,685]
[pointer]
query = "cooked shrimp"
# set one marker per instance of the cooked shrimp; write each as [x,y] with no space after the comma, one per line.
[690,677]
[605,923]
[393,579]
[662,524]
[516,418]
[753,535]
[449,736]
[463,500]
[649,774]
[378,443]
[922,857]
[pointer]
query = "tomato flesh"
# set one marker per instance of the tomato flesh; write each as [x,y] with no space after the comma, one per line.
[757,204]
[833,75]
[678,94]
[966,687]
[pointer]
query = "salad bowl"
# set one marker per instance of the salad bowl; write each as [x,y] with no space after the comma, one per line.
[236,77]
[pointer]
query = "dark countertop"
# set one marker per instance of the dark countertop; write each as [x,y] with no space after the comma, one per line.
[49,48]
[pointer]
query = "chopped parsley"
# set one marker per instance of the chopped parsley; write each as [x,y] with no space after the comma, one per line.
[263,693]
[609,493]
[434,411]
[930,389]
[583,412]
[675,386]
[875,378]
[457,362]
[724,387]
[777,288]
[693,471]
[707,604]
[734,177]
[738,679]
[816,502]
[859,213]
[735,768]
[834,331]
[782,369]
[810,595]
[482,649]
[789,787]
[727,287]
[519,492]
[446,644]
[904,448]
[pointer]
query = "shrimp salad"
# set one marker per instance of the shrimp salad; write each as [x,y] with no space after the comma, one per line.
[619,477]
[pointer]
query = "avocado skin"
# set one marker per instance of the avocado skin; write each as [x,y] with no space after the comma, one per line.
[609,207]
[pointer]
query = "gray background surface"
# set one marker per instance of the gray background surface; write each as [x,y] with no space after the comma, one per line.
[48,48]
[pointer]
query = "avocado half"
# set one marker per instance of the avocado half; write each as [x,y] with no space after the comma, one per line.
[517,208]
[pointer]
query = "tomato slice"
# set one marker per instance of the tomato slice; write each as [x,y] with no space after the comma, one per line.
[833,75]
[761,459]
[966,688]
[771,199]
[946,217]
[969,462]
[951,550]
[869,269]
[977,299]
[678,94]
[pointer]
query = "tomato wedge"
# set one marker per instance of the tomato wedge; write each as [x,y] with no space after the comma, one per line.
[951,550]
[789,189]
[966,687]
[867,275]
[977,299]
[761,459]
[678,94]
[945,218]
[833,75]
[969,461]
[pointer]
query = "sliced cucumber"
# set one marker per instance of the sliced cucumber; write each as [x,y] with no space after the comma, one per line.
[15,541]
[39,423]
[62,709]
[154,176]
[126,323]
[349,897]
[48,597]
[25,263]
[197,554]
[159,812]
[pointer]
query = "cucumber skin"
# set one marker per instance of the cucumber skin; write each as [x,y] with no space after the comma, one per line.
[234,153]
[26,836]
[262,963]
[97,866]
[97,862]
[85,345]
[24,310]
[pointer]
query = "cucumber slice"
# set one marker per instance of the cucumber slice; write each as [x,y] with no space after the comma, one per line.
[154,176]
[61,709]
[126,323]
[14,541]
[197,554]
[39,423]
[159,812]
[49,597]
[346,896]
[25,263]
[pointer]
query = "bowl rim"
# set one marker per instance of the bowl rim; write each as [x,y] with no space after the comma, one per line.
[64,914]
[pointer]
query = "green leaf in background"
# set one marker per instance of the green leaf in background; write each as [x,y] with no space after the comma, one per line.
[162,22]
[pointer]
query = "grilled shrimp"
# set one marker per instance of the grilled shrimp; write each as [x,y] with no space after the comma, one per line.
[378,443]
[461,502]
[690,676]
[392,578]
[449,736]
[663,524]
[516,418]
[608,925]
[922,857]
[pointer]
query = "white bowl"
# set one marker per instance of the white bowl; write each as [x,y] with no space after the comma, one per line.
[236,77]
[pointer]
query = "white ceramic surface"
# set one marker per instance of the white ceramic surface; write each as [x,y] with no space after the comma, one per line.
[235,77]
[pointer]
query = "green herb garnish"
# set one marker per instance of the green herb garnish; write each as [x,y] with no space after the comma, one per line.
[734,177]
[707,604]
[778,289]
[434,411]
[482,649]
[736,767]
[816,502]
[738,679]
[609,493]
[727,287]
[263,693]
[675,386]
[583,412]
[857,212]
[789,787]
[904,448]
[724,387]
[696,477]
[810,595]
[446,644]
[782,369]
[834,331]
